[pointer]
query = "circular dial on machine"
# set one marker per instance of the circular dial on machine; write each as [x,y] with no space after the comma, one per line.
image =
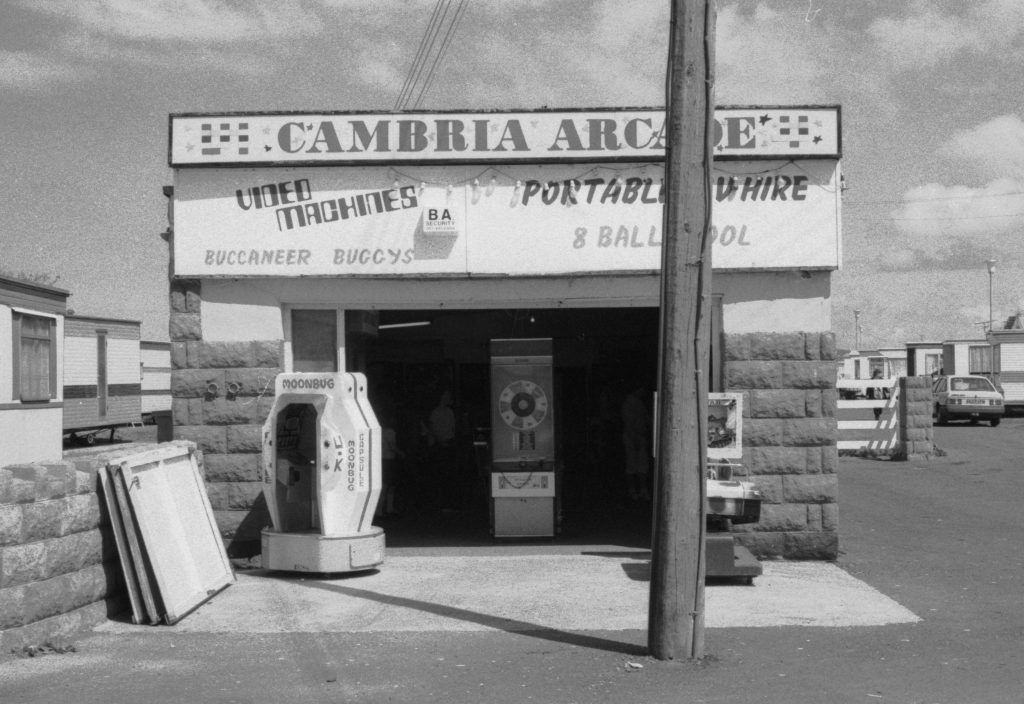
[523,405]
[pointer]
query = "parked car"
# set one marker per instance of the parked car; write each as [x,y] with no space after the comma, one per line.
[966,397]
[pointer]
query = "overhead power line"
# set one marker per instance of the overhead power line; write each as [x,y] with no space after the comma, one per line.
[425,43]
[929,200]
[444,19]
[459,12]
[938,217]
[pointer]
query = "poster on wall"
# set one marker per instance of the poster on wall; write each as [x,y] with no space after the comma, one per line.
[725,426]
[515,220]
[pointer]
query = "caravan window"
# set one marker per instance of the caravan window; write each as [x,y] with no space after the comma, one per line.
[979,359]
[35,358]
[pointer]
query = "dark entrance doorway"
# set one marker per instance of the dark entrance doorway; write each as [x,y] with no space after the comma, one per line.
[600,354]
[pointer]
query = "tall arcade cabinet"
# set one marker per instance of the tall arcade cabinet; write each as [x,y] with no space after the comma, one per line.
[523,470]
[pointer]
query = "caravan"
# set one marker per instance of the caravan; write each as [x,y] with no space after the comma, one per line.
[102,389]
[1008,360]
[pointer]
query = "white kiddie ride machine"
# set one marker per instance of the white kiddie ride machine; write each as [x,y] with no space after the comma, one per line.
[321,475]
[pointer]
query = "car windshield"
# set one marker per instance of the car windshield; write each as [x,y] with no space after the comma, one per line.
[962,384]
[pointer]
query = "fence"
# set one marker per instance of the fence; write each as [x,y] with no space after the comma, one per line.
[858,430]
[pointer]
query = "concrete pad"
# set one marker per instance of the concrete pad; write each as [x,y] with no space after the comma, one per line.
[575,592]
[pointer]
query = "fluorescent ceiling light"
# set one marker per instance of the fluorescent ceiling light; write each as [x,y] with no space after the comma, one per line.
[417,324]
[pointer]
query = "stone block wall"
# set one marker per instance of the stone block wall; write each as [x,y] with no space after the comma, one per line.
[223,391]
[221,394]
[789,440]
[59,570]
[915,418]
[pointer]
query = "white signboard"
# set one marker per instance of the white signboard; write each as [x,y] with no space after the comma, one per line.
[515,219]
[603,135]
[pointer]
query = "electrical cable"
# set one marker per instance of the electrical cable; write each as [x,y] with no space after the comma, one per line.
[701,344]
[426,44]
[938,218]
[930,200]
[418,61]
[417,82]
[446,42]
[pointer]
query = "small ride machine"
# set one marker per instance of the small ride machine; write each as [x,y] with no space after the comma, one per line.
[523,469]
[729,501]
[321,475]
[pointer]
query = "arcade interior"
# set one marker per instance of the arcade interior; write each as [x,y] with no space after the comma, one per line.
[599,355]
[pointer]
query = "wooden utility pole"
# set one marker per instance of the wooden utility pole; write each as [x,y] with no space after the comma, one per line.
[676,615]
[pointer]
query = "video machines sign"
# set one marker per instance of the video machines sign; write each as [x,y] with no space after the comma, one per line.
[489,137]
[513,219]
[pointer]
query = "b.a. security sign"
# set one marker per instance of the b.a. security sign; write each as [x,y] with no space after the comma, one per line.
[604,135]
[438,221]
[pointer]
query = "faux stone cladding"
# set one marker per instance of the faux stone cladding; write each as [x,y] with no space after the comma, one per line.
[58,561]
[223,391]
[222,410]
[789,440]
[915,418]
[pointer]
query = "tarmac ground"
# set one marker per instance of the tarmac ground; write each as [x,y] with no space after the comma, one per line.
[924,605]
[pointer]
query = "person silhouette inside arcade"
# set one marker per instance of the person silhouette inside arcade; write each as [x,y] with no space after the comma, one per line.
[636,441]
[442,451]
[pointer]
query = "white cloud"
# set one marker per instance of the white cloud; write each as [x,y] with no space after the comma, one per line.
[901,258]
[353,42]
[24,70]
[182,20]
[644,24]
[620,56]
[766,56]
[995,148]
[924,39]
[522,53]
[380,70]
[250,39]
[978,313]
[928,35]
[938,210]
[633,52]
[559,54]
[73,57]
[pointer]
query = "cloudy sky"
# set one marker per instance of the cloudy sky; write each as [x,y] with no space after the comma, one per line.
[932,106]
